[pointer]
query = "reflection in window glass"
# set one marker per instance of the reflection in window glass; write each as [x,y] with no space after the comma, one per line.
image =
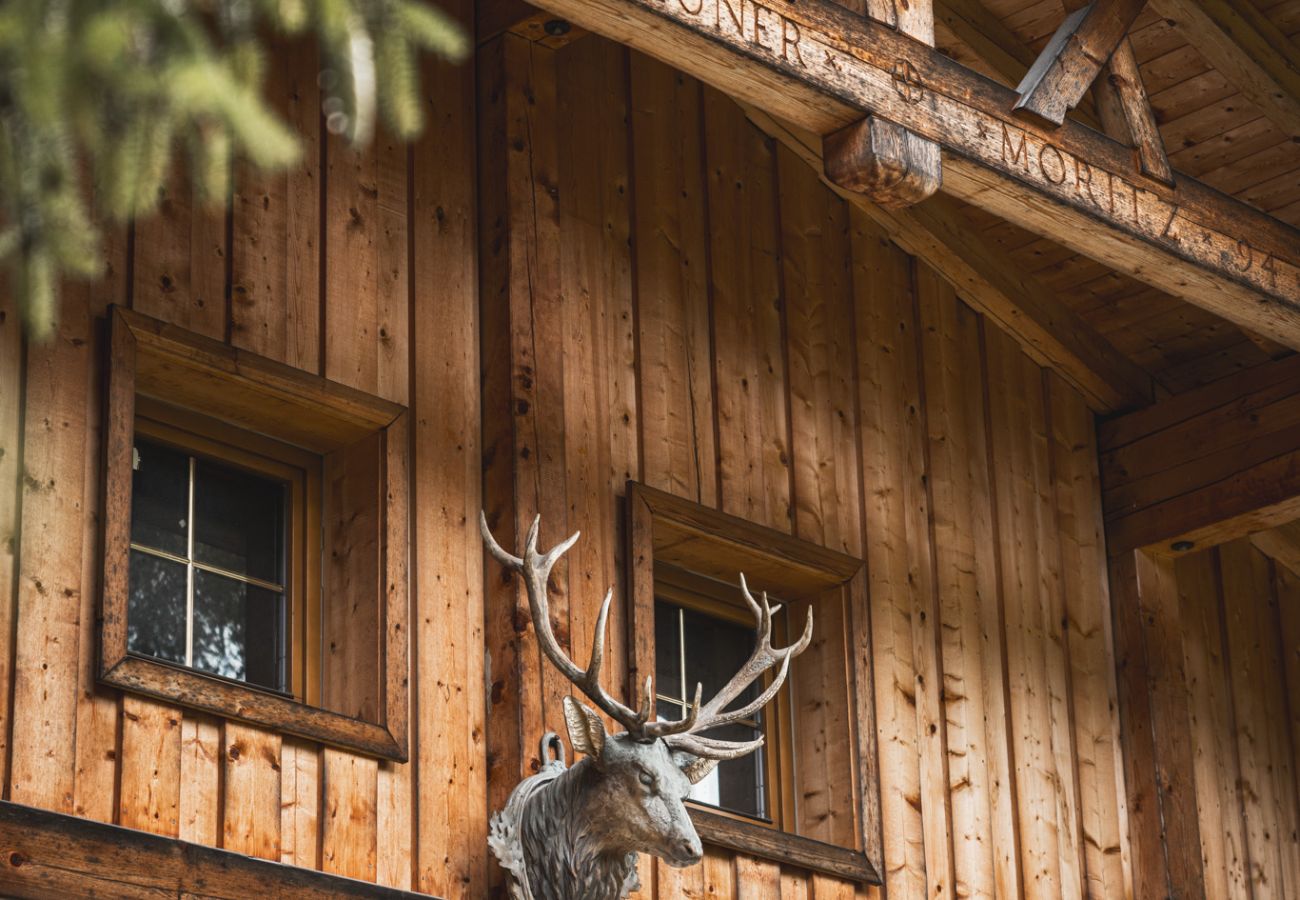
[208,567]
[709,650]
[155,611]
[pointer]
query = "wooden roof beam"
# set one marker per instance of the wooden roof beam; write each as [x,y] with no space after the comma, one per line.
[1073,58]
[820,67]
[1247,49]
[982,276]
[878,158]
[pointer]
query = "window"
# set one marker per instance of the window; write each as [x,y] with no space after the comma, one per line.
[704,634]
[807,798]
[255,540]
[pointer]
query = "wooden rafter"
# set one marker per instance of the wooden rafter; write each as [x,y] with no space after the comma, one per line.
[821,68]
[1053,335]
[1281,544]
[1074,57]
[1247,49]
[1126,112]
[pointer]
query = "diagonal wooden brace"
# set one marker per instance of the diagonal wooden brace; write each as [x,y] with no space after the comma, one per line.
[880,159]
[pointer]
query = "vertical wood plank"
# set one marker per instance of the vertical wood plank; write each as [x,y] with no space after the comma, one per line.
[757,879]
[599,369]
[794,884]
[523,376]
[898,558]
[300,797]
[447,578]
[1038,677]
[1210,717]
[985,860]
[719,874]
[97,706]
[1287,586]
[366,308]
[1090,641]
[11,437]
[749,364]
[180,258]
[275,307]
[252,784]
[149,795]
[670,239]
[50,577]
[200,779]
[1263,739]
[678,884]
[348,832]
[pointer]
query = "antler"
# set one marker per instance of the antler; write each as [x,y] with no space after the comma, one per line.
[536,568]
[685,735]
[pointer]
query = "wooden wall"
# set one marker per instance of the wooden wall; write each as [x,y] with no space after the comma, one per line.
[648,289]
[351,265]
[1240,617]
[668,296]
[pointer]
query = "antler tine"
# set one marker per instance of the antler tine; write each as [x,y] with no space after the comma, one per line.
[683,726]
[535,567]
[764,657]
[711,748]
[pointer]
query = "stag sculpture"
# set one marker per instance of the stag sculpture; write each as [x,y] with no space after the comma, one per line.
[573,833]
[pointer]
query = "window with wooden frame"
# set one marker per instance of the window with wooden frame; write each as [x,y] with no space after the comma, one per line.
[255,540]
[809,798]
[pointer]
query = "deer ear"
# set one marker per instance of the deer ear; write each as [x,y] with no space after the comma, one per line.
[695,768]
[586,730]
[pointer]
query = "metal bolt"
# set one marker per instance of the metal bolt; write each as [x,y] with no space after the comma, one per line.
[557,27]
[1181,546]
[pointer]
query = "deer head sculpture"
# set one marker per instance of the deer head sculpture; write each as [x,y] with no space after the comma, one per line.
[574,833]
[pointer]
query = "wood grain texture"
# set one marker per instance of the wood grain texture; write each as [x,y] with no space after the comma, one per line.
[447,583]
[252,764]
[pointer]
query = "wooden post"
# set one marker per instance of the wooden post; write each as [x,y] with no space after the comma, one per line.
[893,166]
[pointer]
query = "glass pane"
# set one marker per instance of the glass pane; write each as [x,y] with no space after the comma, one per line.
[715,651]
[238,521]
[155,611]
[160,497]
[238,630]
[738,785]
[668,661]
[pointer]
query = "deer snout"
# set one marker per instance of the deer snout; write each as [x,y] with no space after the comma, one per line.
[687,851]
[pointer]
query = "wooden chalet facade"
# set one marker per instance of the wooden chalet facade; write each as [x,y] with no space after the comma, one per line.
[1034,441]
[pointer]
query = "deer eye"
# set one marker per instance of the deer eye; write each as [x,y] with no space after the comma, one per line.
[646,778]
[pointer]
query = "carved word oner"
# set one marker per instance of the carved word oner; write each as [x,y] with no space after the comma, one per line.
[574,833]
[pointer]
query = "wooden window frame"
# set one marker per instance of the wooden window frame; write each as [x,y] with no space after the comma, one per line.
[667,530]
[202,436]
[151,363]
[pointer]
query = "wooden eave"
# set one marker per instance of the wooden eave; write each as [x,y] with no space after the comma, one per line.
[820,67]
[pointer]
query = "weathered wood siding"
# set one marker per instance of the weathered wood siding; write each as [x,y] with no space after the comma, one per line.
[648,288]
[1240,622]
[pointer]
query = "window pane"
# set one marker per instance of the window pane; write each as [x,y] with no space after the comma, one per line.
[160,497]
[238,521]
[155,616]
[668,662]
[738,785]
[715,651]
[237,630]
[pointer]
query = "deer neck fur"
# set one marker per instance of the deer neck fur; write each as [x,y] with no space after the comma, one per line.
[558,817]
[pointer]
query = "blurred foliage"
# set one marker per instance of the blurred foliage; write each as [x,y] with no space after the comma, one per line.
[107,89]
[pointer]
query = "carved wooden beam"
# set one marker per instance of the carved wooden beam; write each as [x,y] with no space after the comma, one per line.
[1074,56]
[1247,49]
[821,67]
[1048,331]
[1126,113]
[878,158]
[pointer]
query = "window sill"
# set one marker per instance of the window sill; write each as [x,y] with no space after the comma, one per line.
[779,846]
[191,688]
